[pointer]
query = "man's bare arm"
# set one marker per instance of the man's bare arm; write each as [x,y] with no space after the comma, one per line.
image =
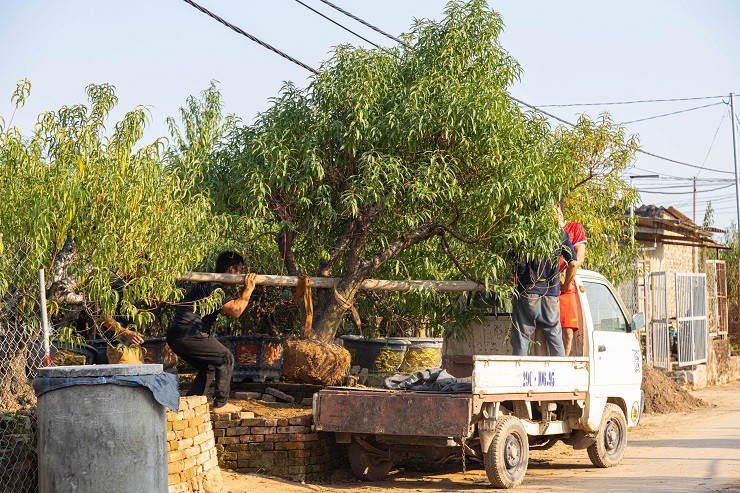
[110,324]
[236,307]
[570,273]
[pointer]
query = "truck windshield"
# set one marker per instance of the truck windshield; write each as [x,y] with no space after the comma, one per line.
[605,311]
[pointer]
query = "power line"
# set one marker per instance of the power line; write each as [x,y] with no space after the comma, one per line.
[724,115]
[336,23]
[637,101]
[682,163]
[670,160]
[658,192]
[365,23]
[672,113]
[252,38]
[312,70]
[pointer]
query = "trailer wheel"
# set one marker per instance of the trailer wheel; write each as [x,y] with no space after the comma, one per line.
[367,466]
[611,438]
[507,458]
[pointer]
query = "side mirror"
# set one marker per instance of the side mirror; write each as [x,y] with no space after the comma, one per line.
[638,321]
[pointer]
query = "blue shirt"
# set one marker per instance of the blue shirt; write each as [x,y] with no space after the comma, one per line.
[540,277]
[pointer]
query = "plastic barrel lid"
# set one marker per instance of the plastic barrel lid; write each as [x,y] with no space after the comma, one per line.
[98,371]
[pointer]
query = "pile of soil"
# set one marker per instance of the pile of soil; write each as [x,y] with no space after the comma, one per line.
[271,409]
[663,395]
[314,362]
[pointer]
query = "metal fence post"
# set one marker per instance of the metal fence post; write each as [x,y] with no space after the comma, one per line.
[44,318]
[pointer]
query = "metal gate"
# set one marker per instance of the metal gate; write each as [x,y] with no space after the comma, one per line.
[717,316]
[657,350]
[691,318]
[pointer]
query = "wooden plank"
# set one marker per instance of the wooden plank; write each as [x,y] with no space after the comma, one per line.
[332,282]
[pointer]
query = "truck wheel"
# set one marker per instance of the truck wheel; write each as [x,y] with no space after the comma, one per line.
[611,438]
[366,466]
[507,458]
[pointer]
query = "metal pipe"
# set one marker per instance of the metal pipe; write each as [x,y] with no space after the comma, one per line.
[44,318]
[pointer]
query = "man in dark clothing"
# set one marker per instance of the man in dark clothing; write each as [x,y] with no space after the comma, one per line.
[538,284]
[189,335]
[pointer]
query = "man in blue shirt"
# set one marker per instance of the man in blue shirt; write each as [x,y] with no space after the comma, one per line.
[537,303]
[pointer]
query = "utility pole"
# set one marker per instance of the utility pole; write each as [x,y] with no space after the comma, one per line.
[694,218]
[734,155]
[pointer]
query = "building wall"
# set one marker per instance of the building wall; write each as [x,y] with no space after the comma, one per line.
[193,461]
[672,259]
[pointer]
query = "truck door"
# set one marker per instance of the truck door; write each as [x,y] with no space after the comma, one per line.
[615,351]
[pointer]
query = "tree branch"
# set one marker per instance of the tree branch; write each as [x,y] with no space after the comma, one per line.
[398,245]
[285,239]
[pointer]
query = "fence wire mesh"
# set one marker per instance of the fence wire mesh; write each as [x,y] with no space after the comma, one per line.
[21,354]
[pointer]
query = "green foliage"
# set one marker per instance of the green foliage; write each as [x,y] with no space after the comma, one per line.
[708,220]
[599,151]
[85,195]
[413,163]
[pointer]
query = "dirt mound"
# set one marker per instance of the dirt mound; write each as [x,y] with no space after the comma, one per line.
[663,395]
[314,362]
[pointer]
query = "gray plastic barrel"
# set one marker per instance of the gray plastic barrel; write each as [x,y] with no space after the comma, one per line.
[101,438]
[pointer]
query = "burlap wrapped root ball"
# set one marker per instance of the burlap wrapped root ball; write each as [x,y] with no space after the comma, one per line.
[314,362]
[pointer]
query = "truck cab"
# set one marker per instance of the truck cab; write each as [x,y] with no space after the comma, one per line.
[587,400]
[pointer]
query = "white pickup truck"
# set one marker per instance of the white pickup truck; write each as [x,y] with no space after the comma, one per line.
[517,404]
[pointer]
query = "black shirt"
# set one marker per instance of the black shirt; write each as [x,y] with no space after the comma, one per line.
[189,322]
[540,277]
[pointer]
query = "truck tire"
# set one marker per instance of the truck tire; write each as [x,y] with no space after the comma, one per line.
[507,458]
[366,466]
[611,439]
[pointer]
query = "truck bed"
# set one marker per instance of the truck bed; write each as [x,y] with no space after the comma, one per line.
[438,414]
[393,412]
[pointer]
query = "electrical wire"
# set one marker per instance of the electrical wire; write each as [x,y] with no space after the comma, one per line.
[637,101]
[724,115]
[658,192]
[249,36]
[672,113]
[336,23]
[365,23]
[670,160]
[312,70]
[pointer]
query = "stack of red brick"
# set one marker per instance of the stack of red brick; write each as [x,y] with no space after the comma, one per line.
[193,462]
[284,447]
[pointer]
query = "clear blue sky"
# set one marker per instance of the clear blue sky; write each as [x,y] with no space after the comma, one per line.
[157,52]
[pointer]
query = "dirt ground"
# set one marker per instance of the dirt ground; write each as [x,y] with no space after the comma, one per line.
[679,453]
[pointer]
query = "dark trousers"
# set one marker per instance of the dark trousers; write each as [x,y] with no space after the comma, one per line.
[531,311]
[212,360]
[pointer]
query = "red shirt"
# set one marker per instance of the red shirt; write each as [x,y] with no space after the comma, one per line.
[577,236]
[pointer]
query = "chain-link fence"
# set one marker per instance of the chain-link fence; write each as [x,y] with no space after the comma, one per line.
[21,354]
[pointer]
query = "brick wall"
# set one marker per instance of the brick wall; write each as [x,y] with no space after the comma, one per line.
[284,447]
[191,449]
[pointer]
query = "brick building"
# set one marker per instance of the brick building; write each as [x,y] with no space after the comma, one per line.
[672,243]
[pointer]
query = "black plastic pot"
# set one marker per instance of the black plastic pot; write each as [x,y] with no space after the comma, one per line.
[155,349]
[62,355]
[377,355]
[422,353]
[257,358]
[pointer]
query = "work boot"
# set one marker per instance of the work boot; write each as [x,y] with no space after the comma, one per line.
[226,408]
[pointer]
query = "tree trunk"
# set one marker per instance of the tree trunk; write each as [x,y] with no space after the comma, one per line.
[327,322]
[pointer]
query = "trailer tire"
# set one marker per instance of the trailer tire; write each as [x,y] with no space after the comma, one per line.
[611,439]
[508,455]
[365,466]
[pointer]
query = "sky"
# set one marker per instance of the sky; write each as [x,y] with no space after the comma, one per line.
[158,52]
